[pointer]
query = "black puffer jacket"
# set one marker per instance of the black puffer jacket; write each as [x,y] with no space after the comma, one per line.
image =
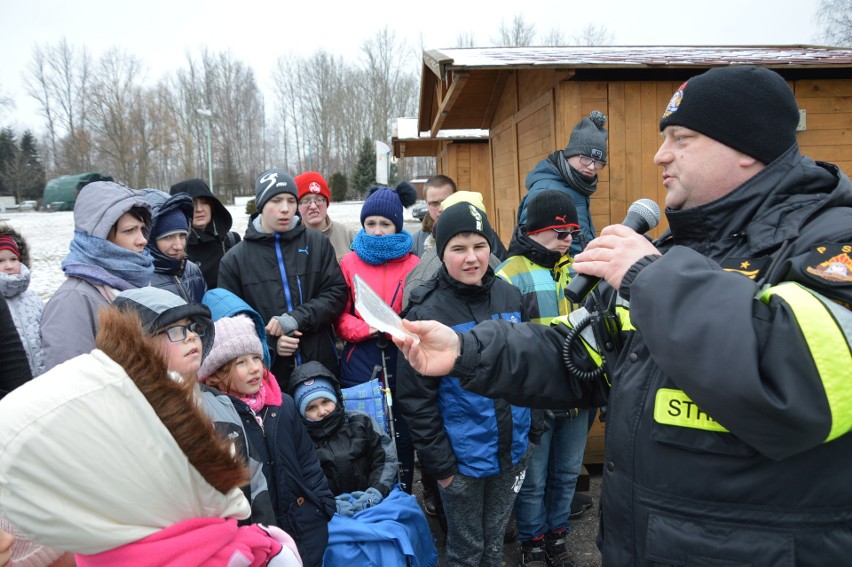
[315,293]
[206,246]
[354,454]
[728,438]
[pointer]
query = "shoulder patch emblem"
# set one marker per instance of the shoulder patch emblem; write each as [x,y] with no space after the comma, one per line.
[831,262]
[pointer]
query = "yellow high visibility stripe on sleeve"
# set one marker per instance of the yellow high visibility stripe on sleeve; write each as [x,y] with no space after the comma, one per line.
[828,346]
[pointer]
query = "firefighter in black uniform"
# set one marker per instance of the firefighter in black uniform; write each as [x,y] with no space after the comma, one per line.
[730,398]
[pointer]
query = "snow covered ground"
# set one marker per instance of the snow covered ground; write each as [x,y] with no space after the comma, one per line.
[49,234]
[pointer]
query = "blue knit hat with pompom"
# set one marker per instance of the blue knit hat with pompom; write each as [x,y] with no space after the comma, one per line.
[388,203]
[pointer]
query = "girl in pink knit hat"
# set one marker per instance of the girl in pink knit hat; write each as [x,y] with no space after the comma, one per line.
[302,500]
[235,366]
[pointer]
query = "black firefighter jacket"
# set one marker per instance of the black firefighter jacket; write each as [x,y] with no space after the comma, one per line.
[730,403]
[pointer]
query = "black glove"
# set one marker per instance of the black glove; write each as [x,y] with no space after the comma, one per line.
[540,421]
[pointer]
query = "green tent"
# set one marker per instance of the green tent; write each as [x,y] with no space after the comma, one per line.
[60,193]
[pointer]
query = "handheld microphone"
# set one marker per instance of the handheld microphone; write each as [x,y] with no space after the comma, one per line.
[642,216]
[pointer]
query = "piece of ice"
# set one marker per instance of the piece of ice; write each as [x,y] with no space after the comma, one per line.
[377,313]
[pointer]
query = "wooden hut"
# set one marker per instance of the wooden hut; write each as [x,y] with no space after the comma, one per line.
[489,115]
[523,102]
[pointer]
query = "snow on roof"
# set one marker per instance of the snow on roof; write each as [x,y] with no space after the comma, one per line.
[643,56]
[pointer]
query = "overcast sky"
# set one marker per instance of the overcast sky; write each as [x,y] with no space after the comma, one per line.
[162,32]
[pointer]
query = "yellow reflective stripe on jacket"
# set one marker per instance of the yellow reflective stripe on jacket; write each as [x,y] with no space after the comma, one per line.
[674,407]
[822,322]
[588,339]
[624,318]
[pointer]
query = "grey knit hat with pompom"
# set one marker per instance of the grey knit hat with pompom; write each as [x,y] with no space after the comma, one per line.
[589,137]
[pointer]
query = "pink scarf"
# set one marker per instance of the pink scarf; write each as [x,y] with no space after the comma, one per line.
[269,394]
[201,541]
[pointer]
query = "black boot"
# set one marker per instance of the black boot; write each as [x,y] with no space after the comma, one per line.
[579,504]
[532,553]
[556,549]
[430,493]
[430,501]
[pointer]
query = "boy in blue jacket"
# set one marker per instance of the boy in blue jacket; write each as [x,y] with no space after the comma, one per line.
[474,447]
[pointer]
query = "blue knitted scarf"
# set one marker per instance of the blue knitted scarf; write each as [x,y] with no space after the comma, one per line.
[99,261]
[376,250]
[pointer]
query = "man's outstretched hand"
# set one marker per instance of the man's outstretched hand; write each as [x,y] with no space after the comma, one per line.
[437,350]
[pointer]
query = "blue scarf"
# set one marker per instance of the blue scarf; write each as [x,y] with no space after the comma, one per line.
[99,261]
[376,250]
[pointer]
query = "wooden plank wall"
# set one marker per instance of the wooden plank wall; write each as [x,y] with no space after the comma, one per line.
[504,181]
[635,109]
[828,105]
[523,134]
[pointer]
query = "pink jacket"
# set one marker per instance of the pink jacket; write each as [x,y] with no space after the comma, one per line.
[203,541]
[387,280]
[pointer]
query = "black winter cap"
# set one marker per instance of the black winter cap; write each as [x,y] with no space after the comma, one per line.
[456,219]
[749,109]
[551,208]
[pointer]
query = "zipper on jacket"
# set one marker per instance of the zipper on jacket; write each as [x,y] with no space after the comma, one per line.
[183,291]
[282,270]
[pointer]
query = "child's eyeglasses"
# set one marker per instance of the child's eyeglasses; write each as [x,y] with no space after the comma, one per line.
[563,234]
[178,333]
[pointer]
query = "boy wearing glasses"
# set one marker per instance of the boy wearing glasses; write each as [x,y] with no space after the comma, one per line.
[539,266]
[435,190]
[314,200]
[574,171]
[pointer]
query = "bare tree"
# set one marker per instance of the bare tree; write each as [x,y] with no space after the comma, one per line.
[593,35]
[391,87]
[58,79]
[6,103]
[554,38]
[189,95]
[352,126]
[287,78]
[238,108]
[835,19]
[465,40]
[519,34]
[321,82]
[226,87]
[120,125]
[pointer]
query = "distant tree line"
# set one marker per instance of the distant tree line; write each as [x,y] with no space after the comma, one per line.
[100,115]
[322,113]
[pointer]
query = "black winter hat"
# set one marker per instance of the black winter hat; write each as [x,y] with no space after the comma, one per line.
[749,109]
[551,209]
[457,219]
[272,182]
[589,137]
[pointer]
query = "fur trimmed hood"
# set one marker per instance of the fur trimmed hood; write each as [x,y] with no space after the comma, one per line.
[122,432]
